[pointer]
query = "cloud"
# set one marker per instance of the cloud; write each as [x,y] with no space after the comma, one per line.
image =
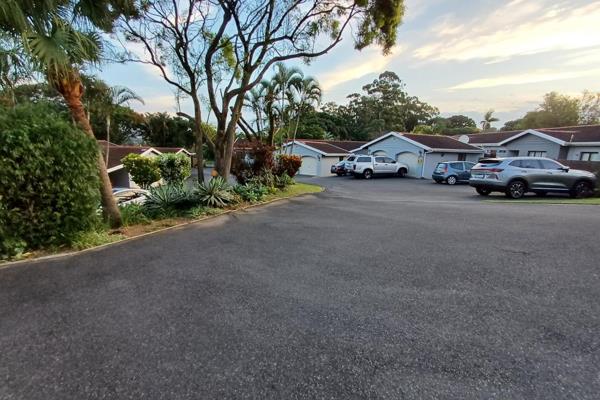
[517,28]
[524,78]
[371,61]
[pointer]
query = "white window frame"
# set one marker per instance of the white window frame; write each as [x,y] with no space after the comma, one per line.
[536,153]
[588,155]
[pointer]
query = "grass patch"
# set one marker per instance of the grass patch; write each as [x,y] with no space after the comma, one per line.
[294,190]
[86,240]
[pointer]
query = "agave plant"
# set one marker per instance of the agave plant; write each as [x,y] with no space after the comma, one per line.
[166,198]
[215,193]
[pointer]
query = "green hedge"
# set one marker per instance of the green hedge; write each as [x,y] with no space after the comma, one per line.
[48,179]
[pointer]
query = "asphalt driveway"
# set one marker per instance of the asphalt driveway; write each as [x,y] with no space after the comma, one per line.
[383,289]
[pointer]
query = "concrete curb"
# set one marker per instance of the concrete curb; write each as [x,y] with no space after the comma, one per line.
[66,254]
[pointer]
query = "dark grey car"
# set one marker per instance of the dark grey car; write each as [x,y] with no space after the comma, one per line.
[452,172]
[516,176]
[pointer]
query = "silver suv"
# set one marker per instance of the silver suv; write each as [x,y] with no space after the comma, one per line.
[516,176]
[368,166]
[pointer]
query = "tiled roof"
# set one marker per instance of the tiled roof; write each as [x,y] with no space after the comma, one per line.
[332,146]
[439,142]
[584,133]
[575,134]
[492,137]
[117,152]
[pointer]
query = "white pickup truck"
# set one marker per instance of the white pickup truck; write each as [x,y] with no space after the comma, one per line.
[368,166]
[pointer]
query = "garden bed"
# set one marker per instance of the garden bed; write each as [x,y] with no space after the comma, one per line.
[102,237]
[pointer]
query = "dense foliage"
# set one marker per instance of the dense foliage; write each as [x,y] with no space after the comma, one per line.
[253,162]
[48,180]
[143,170]
[288,164]
[174,168]
[216,193]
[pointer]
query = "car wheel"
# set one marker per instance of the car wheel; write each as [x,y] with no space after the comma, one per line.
[581,189]
[516,189]
[483,192]
[401,173]
[451,180]
[367,174]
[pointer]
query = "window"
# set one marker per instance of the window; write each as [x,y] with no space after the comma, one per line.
[351,158]
[530,164]
[457,165]
[469,165]
[462,157]
[589,156]
[388,160]
[533,153]
[380,159]
[341,158]
[364,159]
[547,164]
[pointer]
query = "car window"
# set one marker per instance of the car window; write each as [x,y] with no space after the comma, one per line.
[351,158]
[549,164]
[529,164]
[388,160]
[380,159]
[469,165]
[364,159]
[457,165]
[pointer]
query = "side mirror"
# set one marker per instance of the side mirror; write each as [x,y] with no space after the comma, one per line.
[393,162]
[566,169]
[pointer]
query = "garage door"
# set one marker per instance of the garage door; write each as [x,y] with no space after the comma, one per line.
[309,166]
[412,160]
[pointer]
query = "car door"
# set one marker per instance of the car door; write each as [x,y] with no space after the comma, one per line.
[390,165]
[379,166]
[468,167]
[556,176]
[532,171]
[458,169]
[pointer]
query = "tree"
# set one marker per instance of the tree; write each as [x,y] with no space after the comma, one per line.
[512,125]
[306,95]
[164,130]
[488,118]
[460,121]
[589,108]
[144,170]
[60,37]
[556,110]
[260,33]
[175,35]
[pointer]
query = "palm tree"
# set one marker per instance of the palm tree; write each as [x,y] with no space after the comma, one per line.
[282,82]
[306,93]
[488,118]
[119,96]
[60,37]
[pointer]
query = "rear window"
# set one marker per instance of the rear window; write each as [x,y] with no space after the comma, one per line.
[441,165]
[489,162]
[364,159]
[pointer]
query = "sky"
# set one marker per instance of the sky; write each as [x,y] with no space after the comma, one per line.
[462,56]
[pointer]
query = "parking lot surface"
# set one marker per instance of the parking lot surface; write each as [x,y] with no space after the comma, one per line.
[381,289]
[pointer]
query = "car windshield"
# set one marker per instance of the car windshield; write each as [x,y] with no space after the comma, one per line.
[351,158]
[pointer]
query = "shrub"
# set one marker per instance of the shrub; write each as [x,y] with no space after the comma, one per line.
[133,214]
[49,184]
[253,162]
[144,170]
[251,192]
[288,164]
[216,193]
[174,168]
[283,181]
[168,200]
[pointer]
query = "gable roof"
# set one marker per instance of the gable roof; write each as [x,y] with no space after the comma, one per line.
[429,142]
[565,136]
[328,147]
[117,152]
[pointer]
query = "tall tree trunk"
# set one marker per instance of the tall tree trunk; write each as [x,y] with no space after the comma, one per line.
[71,88]
[199,133]
[108,120]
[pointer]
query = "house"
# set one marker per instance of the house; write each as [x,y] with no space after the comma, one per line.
[119,177]
[421,153]
[319,155]
[578,143]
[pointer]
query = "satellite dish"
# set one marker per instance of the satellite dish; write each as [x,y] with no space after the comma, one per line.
[463,138]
